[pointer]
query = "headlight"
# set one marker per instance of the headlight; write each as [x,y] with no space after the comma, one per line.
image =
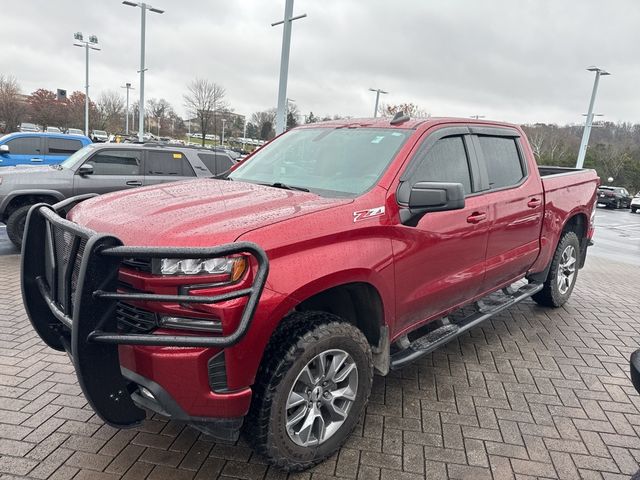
[232,267]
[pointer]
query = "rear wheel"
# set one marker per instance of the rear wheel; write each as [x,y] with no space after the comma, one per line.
[562,274]
[15,225]
[311,390]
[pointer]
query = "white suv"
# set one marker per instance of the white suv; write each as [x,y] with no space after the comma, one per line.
[635,203]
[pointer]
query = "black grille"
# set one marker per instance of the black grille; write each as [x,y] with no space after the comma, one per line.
[142,264]
[134,319]
[68,250]
[218,373]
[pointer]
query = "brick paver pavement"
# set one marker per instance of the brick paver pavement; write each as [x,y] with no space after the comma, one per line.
[534,392]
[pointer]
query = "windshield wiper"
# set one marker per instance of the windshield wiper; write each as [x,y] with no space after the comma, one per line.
[286,187]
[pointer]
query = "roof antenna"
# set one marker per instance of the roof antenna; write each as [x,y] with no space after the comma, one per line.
[399,118]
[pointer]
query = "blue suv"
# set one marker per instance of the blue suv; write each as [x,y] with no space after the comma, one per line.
[36,148]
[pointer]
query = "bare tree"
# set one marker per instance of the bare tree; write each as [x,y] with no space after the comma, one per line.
[411,109]
[202,99]
[264,122]
[111,110]
[159,109]
[12,109]
[292,115]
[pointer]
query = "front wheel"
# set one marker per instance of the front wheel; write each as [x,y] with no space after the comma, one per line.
[16,223]
[311,390]
[562,274]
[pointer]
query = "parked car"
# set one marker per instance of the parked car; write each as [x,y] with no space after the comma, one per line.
[232,153]
[74,131]
[98,136]
[635,203]
[53,130]
[100,168]
[29,127]
[614,197]
[38,148]
[328,254]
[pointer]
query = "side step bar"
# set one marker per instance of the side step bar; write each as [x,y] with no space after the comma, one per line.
[444,334]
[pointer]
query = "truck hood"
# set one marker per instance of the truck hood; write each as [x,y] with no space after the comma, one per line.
[194,213]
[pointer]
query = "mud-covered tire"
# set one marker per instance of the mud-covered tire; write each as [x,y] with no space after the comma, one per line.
[299,340]
[551,294]
[15,225]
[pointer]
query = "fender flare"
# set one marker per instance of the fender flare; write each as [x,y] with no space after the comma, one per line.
[21,193]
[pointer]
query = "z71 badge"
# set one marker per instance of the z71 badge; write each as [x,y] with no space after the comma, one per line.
[365,214]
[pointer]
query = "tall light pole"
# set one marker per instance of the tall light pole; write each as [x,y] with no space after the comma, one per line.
[143,11]
[589,122]
[244,134]
[92,44]
[281,114]
[378,92]
[126,115]
[224,120]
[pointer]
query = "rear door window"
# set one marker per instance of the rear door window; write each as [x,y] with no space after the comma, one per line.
[503,162]
[116,162]
[24,146]
[63,146]
[168,164]
[216,163]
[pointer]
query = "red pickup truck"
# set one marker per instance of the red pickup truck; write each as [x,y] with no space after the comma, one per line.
[269,297]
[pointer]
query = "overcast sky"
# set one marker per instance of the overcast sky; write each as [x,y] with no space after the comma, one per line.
[516,60]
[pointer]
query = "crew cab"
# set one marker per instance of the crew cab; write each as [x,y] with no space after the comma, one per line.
[267,299]
[38,148]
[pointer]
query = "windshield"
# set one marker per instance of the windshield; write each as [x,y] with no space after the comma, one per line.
[77,156]
[99,132]
[330,162]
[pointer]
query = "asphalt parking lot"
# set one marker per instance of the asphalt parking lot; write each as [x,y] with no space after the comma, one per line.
[532,393]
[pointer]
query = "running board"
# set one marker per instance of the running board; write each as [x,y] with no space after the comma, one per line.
[444,334]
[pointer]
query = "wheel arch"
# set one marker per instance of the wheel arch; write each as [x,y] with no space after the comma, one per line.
[21,198]
[578,223]
[358,303]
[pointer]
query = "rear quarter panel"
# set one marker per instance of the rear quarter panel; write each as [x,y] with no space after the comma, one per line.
[565,195]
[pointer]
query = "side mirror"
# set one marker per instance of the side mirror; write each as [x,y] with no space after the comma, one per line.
[85,169]
[4,149]
[427,197]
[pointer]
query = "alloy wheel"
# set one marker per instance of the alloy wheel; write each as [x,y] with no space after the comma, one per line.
[321,396]
[566,269]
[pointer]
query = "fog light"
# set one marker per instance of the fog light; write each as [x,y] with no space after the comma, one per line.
[199,324]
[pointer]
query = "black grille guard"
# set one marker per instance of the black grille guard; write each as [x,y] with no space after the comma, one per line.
[69,288]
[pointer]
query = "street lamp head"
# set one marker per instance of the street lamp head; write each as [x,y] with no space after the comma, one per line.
[602,71]
[93,39]
[155,10]
[131,4]
[77,36]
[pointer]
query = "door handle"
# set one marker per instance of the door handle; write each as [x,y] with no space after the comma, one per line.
[134,183]
[534,203]
[476,217]
[36,159]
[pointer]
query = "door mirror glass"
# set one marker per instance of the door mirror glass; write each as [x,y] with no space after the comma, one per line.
[85,169]
[436,196]
[4,149]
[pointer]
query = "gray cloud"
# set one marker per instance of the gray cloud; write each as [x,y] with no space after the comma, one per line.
[521,61]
